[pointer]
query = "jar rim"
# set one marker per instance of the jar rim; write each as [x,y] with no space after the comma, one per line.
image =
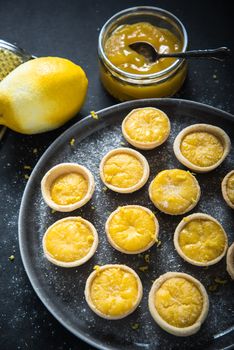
[159,74]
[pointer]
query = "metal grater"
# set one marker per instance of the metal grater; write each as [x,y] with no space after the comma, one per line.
[11,56]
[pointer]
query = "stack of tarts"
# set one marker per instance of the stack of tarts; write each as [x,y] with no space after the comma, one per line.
[177,301]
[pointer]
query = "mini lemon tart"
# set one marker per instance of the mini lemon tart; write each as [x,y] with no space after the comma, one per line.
[228,189]
[67,186]
[70,242]
[202,147]
[132,229]
[174,191]
[113,291]
[146,128]
[124,170]
[200,240]
[230,260]
[178,303]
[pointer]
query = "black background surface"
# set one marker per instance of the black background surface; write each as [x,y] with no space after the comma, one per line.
[70,29]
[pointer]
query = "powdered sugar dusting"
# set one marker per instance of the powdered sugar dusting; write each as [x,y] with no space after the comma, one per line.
[64,288]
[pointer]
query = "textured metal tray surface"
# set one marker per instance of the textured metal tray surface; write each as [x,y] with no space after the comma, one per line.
[62,290]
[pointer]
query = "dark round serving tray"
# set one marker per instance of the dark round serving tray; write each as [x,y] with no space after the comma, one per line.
[62,290]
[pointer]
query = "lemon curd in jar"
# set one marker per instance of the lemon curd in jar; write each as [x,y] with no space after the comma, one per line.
[123,57]
[128,75]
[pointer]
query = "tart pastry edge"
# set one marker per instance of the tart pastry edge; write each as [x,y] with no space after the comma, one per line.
[54,173]
[145,145]
[77,262]
[138,156]
[183,223]
[90,280]
[211,129]
[181,332]
[115,246]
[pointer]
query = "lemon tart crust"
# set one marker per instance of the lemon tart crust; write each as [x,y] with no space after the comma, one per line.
[230,260]
[66,169]
[146,145]
[182,225]
[95,273]
[178,331]
[81,261]
[219,133]
[122,250]
[166,191]
[225,190]
[138,156]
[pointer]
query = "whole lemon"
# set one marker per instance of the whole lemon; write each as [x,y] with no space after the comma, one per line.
[42,94]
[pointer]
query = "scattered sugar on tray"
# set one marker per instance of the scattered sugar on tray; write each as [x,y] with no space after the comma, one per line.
[162,260]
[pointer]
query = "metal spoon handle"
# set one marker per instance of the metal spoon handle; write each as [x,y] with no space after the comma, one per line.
[218,54]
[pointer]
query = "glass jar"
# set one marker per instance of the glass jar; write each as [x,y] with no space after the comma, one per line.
[127,86]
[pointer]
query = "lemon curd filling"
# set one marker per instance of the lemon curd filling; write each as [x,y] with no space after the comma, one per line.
[174,191]
[132,229]
[147,125]
[122,56]
[230,188]
[69,240]
[114,291]
[69,188]
[202,148]
[123,170]
[202,240]
[179,302]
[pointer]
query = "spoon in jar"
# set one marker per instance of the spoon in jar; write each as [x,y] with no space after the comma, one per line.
[151,54]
